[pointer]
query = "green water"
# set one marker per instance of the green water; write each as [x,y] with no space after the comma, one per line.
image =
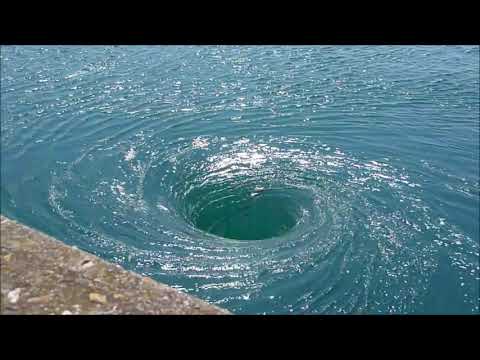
[267,180]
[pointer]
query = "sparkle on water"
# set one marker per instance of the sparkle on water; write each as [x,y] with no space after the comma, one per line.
[264,179]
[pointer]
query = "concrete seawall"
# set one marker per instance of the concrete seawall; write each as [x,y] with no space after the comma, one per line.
[41,275]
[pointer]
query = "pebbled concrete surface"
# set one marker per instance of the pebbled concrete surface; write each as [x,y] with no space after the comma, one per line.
[41,275]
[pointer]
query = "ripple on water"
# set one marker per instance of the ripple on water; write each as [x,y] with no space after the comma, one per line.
[264,179]
[190,210]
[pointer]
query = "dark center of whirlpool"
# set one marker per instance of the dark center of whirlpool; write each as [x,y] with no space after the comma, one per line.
[248,215]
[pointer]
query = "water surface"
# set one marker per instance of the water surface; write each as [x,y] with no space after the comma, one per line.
[322,179]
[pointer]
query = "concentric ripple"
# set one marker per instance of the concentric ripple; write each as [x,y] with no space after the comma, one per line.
[263,179]
[353,224]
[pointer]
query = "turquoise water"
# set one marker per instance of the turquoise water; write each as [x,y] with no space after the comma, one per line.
[265,179]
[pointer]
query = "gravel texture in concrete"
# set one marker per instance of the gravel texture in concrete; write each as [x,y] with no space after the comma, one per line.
[41,275]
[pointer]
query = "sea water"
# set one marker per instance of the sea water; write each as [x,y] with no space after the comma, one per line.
[264,179]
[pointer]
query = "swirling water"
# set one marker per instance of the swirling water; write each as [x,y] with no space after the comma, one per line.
[267,180]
